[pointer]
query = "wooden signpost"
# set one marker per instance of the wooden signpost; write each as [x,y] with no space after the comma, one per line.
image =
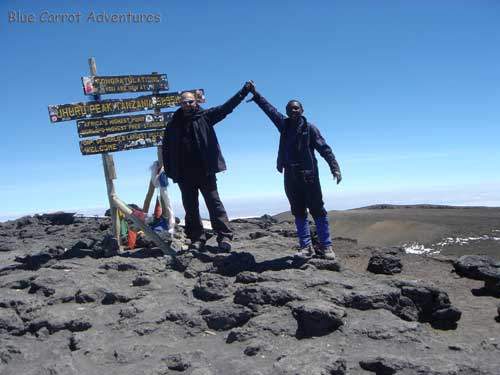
[131,131]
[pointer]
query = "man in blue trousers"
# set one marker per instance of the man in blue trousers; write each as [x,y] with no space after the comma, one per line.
[298,140]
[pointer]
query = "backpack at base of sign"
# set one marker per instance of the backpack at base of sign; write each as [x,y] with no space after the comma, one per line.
[159,225]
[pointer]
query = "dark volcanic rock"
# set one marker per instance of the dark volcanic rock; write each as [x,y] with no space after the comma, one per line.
[325,264]
[255,347]
[193,361]
[25,221]
[384,263]
[196,268]
[477,267]
[480,267]
[85,296]
[211,287]
[111,298]
[381,325]
[182,261]
[57,320]
[42,259]
[432,304]
[312,363]
[10,322]
[86,243]
[108,246]
[141,281]
[259,234]
[389,366]
[289,233]
[184,317]
[58,218]
[378,296]
[177,362]
[248,277]
[264,295]
[317,318]
[409,301]
[234,263]
[278,322]
[82,249]
[240,334]
[226,316]
[82,253]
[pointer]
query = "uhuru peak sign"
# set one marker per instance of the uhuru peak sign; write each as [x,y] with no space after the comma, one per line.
[74,111]
[136,131]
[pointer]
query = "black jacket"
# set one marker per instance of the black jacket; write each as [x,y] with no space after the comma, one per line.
[203,122]
[309,139]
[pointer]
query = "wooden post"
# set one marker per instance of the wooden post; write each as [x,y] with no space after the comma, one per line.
[149,196]
[166,206]
[151,188]
[109,174]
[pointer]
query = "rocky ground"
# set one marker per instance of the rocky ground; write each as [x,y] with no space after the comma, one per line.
[68,307]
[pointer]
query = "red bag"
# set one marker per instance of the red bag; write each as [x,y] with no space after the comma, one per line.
[132,239]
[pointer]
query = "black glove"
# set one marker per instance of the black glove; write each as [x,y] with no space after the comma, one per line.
[247,87]
[337,176]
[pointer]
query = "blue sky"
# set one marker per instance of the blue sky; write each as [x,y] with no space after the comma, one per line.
[406,93]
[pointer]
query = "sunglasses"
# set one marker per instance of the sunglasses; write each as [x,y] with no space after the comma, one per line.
[188,102]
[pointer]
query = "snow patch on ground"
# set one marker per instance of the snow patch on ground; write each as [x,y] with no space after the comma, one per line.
[416,248]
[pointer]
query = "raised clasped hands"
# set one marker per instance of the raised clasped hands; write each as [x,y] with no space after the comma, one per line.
[249,86]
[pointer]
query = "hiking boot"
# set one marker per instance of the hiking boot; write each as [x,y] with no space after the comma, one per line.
[326,253]
[224,245]
[197,245]
[305,252]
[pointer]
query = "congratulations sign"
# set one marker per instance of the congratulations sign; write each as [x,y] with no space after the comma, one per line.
[97,85]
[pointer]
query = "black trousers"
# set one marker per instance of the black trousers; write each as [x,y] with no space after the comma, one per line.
[207,185]
[304,195]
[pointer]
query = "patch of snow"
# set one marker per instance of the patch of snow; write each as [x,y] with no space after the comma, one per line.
[465,240]
[416,248]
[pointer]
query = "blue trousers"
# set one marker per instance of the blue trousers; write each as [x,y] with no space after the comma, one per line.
[307,195]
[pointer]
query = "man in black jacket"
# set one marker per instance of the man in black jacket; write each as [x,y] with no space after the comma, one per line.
[296,157]
[192,157]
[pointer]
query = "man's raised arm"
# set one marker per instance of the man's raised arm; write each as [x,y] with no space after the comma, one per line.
[217,114]
[276,117]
